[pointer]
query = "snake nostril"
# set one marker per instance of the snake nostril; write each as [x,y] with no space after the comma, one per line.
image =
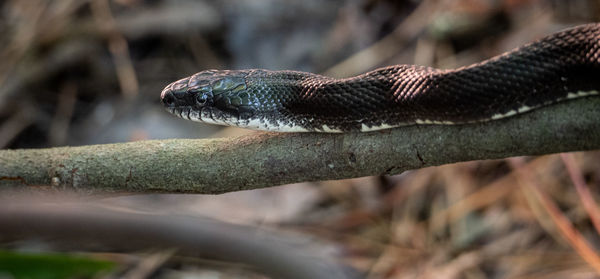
[168,99]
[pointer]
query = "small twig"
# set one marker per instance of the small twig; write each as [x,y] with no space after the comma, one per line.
[59,127]
[564,225]
[14,125]
[494,192]
[118,47]
[149,264]
[387,47]
[582,189]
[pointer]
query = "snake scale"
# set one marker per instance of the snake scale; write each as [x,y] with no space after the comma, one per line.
[559,67]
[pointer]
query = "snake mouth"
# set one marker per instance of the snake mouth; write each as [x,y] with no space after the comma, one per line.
[203,114]
[211,115]
[185,112]
[182,112]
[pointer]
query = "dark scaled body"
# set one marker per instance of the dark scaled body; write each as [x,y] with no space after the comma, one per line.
[559,67]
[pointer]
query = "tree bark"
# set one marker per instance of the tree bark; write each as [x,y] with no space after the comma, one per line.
[214,166]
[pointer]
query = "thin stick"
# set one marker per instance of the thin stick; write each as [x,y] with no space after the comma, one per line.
[564,225]
[582,189]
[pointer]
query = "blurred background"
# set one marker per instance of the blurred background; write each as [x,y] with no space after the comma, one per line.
[76,72]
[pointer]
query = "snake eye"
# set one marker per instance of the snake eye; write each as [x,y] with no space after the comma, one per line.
[202,94]
[201,99]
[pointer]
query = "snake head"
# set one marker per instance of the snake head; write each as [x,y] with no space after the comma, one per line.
[209,94]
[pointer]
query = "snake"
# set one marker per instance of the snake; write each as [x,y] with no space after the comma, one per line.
[553,69]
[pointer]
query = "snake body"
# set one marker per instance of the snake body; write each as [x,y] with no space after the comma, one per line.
[559,67]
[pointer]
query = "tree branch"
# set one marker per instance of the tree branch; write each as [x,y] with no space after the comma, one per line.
[96,226]
[269,159]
